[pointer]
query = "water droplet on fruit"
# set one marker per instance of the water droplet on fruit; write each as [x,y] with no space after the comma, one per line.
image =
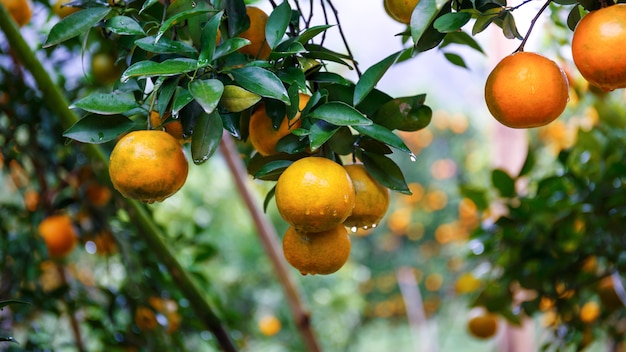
[374,226]
[365,227]
[307,212]
[321,212]
[353,229]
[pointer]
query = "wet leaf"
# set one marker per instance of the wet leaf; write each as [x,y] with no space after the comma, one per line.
[207,136]
[262,82]
[169,67]
[75,24]
[166,46]
[207,93]
[209,39]
[96,129]
[123,25]
[340,114]
[106,103]
[372,75]
[236,99]
[385,171]
[452,22]
[384,135]
[277,24]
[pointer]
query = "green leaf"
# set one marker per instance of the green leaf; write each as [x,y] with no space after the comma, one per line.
[209,39]
[123,25]
[277,24]
[574,17]
[484,20]
[384,135]
[7,339]
[262,82]
[182,97]
[238,20]
[311,33]
[476,195]
[146,5]
[461,38]
[166,46]
[529,163]
[96,129]
[180,19]
[509,28]
[207,93]
[340,114]
[207,135]
[329,77]
[321,132]
[504,183]
[268,198]
[271,170]
[107,103]
[385,171]
[169,67]
[229,46]
[372,75]
[75,24]
[455,59]
[5,303]
[452,22]
[423,15]
[236,99]
[405,114]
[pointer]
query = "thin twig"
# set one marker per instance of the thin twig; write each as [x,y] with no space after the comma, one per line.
[532,24]
[270,241]
[343,37]
[70,312]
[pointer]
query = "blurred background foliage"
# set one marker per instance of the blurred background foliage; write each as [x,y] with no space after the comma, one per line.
[113,294]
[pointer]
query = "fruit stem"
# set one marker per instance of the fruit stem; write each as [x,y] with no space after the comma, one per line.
[152,235]
[270,241]
[532,25]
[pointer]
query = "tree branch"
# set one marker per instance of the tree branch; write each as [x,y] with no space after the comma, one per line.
[150,233]
[269,240]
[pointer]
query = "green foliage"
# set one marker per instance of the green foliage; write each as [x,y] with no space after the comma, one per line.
[554,230]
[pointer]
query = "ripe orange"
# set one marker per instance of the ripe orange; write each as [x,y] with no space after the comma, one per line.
[482,324]
[105,243]
[59,235]
[173,127]
[372,198]
[269,325]
[315,194]
[145,318]
[104,68]
[526,90]
[63,11]
[596,45]
[148,165]
[400,10]
[263,136]
[317,252]
[589,312]
[258,46]
[19,10]
[97,194]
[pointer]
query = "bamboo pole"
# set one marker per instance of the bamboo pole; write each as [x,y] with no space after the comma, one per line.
[150,233]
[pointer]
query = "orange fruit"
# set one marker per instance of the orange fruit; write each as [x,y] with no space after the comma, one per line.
[526,90]
[482,323]
[148,166]
[258,46]
[63,11]
[173,127]
[467,283]
[372,198]
[269,325]
[607,294]
[314,194]
[105,243]
[400,10]
[97,194]
[264,136]
[59,234]
[145,318]
[19,10]
[317,252]
[589,312]
[104,68]
[595,47]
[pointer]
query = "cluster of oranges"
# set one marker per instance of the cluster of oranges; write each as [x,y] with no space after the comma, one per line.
[320,198]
